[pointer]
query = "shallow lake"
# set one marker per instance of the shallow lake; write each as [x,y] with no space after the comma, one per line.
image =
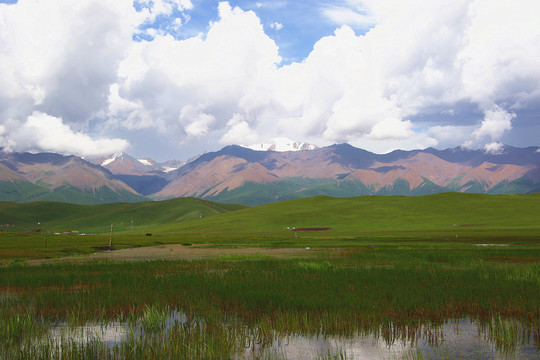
[461,339]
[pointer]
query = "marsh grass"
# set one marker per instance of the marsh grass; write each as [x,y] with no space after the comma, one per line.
[220,307]
[153,319]
[506,334]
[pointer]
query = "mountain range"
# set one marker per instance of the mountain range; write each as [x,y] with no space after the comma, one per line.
[47,176]
[243,175]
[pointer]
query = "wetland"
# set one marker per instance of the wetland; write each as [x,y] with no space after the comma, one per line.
[403,301]
[247,288]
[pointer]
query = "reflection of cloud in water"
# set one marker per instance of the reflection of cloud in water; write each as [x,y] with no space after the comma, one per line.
[110,334]
[309,347]
[466,338]
[457,338]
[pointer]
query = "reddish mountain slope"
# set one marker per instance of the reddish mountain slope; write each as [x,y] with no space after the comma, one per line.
[416,172]
[212,177]
[61,178]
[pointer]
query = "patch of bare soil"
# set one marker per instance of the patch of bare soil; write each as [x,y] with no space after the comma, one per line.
[179,252]
[312,229]
[513,259]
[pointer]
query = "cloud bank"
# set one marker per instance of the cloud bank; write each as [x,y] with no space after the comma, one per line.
[76,72]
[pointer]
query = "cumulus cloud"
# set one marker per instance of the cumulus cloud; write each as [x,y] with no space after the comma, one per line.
[197,122]
[421,56]
[48,133]
[495,148]
[220,75]
[162,16]
[70,63]
[154,8]
[239,132]
[392,128]
[496,122]
[55,64]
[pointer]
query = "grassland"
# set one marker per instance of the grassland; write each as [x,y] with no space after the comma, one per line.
[356,221]
[60,217]
[388,267]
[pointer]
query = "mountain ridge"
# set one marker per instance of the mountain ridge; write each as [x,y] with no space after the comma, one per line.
[239,174]
[415,172]
[55,177]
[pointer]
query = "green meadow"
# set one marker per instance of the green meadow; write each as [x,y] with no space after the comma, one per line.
[395,270]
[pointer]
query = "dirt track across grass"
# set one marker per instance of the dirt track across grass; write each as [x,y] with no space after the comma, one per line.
[181,252]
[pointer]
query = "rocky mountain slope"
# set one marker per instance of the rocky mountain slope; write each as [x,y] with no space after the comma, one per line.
[47,176]
[242,175]
[146,176]
[125,164]
[254,177]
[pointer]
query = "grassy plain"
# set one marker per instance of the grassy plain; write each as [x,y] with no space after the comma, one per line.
[355,221]
[389,267]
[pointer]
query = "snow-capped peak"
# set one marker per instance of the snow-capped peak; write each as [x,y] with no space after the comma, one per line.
[282,144]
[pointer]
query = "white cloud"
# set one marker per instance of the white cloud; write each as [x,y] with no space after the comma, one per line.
[496,122]
[426,55]
[381,146]
[154,8]
[76,60]
[499,60]
[48,133]
[495,148]
[392,128]
[221,75]
[56,63]
[197,123]
[239,132]
[350,16]
[451,135]
[276,26]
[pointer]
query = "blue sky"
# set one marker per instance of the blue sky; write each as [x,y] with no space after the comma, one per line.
[295,26]
[169,79]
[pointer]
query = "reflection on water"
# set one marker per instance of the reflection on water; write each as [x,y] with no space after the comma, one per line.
[112,334]
[310,347]
[109,334]
[461,339]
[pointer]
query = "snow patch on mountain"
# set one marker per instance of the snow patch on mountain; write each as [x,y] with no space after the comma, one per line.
[110,160]
[281,145]
[145,162]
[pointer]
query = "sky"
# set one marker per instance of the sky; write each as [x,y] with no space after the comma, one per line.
[170,79]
